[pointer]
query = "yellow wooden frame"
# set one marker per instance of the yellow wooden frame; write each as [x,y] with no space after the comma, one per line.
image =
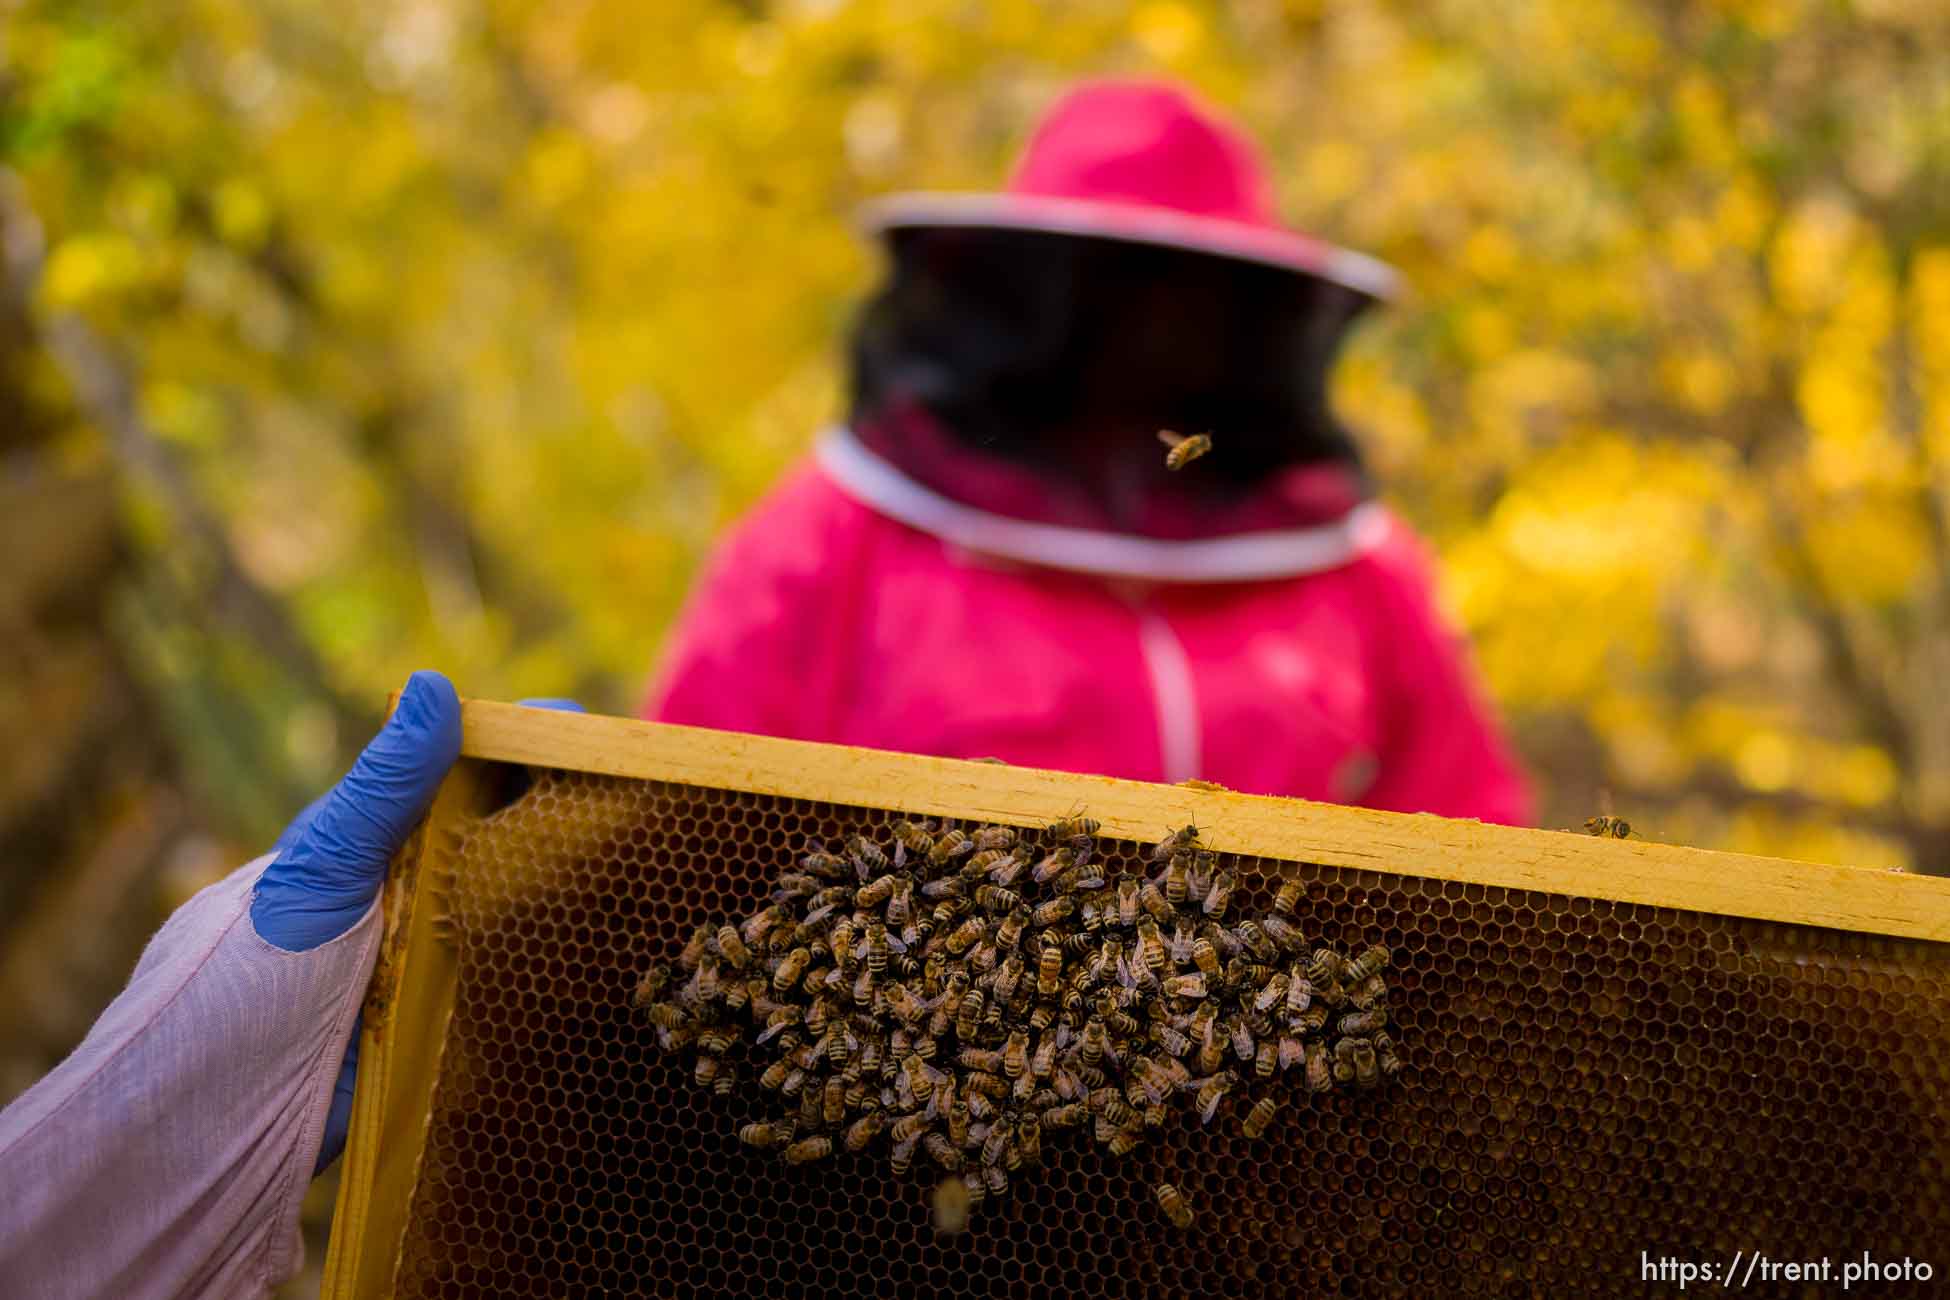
[413,985]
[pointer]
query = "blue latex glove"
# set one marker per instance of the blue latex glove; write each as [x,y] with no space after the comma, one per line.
[332,858]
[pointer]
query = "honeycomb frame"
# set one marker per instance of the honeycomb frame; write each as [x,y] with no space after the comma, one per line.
[1587,1008]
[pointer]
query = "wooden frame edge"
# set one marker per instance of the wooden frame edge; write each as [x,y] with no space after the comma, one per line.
[1629,871]
[399,1061]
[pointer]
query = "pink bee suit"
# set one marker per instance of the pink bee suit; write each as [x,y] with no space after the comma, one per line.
[862,604]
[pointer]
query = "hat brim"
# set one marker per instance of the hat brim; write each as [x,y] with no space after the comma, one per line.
[1136,224]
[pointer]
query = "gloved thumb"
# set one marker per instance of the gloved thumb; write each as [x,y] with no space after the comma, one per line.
[332,859]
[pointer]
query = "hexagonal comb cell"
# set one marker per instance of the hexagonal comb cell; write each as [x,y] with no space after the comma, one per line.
[1583,1081]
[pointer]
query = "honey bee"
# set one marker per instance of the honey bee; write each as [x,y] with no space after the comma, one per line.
[969,1018]
[1095,1039]
[1241,1034]
[866,854]
[792,884]
[1007,976]
[1151,947]
[902,1156]
[1259,1117]
[1049,970]
[1389,1059]
[909,1127]
[1027,1149]
[1312,1020]
[1070,828]
[1268,1055]
[808,1150]
[913,836]
[1009,868]
[966,935]
[1292,1052]
[1371,962]
[953,1199]
[865,1129]
[1068,1115]
[1127,902]
[1219,895]
[835,1101]
[994,898]
[1325,968]
[1124,1141]
[791,967]
[1609,826]
[1015,1054]
[1153,900]
[1172,1202]
[1053,911]
[1287,899]
[1285,935]
[902,1002]
[920,1079]
[876,892]
[1299,992]
[1205,958]
[1319,1076]
[667,1016]
[958,1122]
[942,1151]
[823,864]
[1171,1040]
[996,1179]
[1359,1024]
[995,837]
[1182,838]
[1185,986]
[1366,1074]
[764,1135]
[1053,864]
[653,984]
[950,844]
[1272,993]
[732,947]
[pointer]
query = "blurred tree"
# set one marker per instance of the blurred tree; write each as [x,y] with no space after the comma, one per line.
[454,329]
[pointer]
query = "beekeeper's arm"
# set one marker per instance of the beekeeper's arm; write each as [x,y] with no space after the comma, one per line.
[168,1155]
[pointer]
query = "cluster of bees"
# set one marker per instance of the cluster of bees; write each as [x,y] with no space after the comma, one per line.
[964,994]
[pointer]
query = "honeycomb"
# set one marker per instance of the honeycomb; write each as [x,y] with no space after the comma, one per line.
[1583,1081]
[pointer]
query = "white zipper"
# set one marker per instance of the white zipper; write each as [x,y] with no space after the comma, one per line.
[1173,694]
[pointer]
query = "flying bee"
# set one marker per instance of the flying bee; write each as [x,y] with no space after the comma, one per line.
[1259,1117]
[1219,895]
[1053,911]
[1173,1203]
[995,837]
[1609,826]
[1371,962]
[950,844]
[1070,828]
[1182,838]
[764,1135]
[1388,1058]
[1053,864]
[953,1199]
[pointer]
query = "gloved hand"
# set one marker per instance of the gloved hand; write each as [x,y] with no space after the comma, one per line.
[332,858]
